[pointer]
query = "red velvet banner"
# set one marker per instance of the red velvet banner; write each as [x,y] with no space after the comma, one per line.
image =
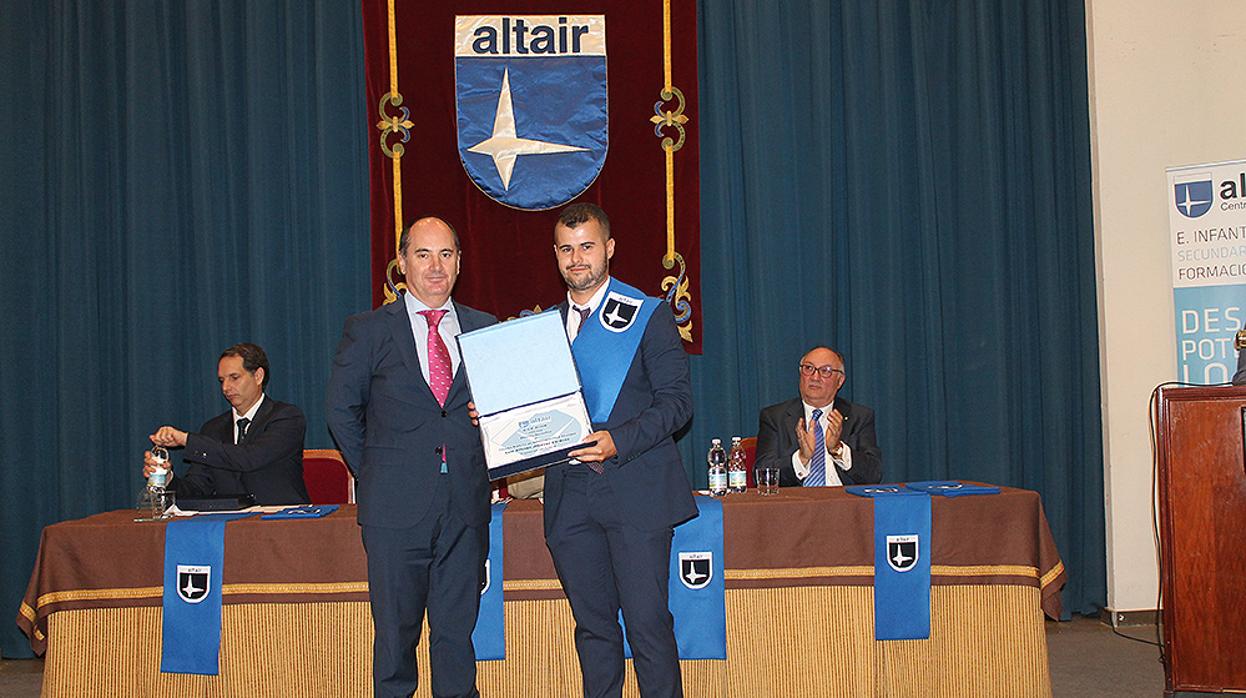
[648,184]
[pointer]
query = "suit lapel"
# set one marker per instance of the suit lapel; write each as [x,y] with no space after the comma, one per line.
[261,417]
[400,329]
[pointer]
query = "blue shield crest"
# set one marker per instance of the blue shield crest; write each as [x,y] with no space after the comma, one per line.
[531,107]
[1194,197]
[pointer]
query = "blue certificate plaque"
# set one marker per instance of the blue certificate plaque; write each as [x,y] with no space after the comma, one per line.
[525,386]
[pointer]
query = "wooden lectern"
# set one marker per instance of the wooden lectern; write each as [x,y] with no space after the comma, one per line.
[1202,509]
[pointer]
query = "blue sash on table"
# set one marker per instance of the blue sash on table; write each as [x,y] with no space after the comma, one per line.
[901,561]
[696,587]
[489,637]
[194,557]
[951,488]
[607,343]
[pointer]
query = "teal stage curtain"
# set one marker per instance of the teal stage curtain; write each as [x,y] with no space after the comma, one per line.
[906,181]
[177,177]
[910,183]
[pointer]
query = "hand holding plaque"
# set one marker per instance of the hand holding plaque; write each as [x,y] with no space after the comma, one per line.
[526,393]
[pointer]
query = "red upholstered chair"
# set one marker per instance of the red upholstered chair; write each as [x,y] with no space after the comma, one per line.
[750,457]
[327,478]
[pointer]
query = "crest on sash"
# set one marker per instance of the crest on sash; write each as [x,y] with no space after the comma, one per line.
[902,552]
[696,569]
[531,105]
[618,312]
[193,582]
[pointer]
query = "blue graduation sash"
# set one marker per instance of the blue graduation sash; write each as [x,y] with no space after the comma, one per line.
[901,561]
[698,604]
[489,637]
[603,356]
[194,557]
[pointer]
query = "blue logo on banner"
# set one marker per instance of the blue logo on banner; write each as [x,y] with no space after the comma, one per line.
[194,555]
[696,587]
[489,637]
[531,105]
[1193,198]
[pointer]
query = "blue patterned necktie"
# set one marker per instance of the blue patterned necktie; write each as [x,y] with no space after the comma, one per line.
[817,463]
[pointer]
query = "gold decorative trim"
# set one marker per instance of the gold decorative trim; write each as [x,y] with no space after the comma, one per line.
[868,571]
[226,590]
[675,288]
[394,124]
[800,572]
[1052,574]
[531,585]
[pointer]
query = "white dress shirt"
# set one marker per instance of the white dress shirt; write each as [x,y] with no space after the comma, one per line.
[249,415]
[448,328]
[573,317]
[843,462]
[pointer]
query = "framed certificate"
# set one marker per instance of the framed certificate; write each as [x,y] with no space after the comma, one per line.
[525,386]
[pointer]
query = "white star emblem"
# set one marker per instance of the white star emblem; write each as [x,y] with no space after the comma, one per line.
[504,146]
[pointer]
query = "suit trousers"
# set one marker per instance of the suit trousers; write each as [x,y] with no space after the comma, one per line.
[606,564]
[435,565]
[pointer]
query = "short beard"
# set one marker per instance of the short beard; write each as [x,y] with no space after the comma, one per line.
[590,281]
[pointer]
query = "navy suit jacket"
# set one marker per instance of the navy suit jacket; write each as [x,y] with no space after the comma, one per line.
[655,401]
[390,429]
[268,464]
[776,441]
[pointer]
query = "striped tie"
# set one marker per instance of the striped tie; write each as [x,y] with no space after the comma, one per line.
[817,464]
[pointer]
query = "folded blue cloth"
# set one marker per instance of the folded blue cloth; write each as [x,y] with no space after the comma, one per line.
[304,512]
[877,490]
[951,488]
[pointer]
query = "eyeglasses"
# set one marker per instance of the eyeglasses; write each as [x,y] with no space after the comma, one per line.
[824,371]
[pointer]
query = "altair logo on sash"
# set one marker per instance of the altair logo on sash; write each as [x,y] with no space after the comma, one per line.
[902,552]
[531,105]
[484,584]
[193,582]
[696,569]
[619,312]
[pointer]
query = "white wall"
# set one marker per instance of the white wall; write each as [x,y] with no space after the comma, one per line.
[1167,87]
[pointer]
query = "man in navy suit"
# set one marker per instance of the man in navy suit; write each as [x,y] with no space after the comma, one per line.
[820,439]
[397,406]
[254,449]
[610,517]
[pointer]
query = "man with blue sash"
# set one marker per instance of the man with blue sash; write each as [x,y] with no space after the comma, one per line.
[610,514]
[397,406]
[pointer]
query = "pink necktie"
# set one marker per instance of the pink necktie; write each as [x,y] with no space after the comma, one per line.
[439,373]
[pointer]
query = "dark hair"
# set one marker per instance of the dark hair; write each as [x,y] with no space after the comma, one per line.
[406,235]
[583,212]
[252,356]
[838,355]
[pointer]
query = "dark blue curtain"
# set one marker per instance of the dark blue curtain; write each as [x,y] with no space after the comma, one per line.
[177,177]
[907,181]
[910,183]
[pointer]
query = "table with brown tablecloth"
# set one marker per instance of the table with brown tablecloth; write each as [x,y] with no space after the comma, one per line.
[799,598]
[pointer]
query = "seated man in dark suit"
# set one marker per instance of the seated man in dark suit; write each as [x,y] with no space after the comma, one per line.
[819,439]
[256,448]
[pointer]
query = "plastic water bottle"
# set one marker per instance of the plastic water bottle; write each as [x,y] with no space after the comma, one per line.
[737,475]
[717,460]
[156,499]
